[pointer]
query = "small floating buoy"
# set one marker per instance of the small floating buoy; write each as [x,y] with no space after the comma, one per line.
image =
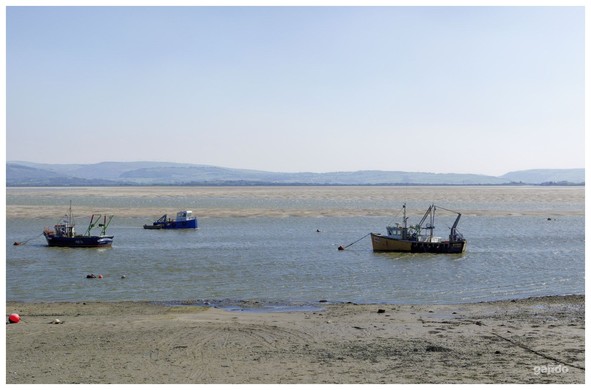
[100,276]
[317,230]
[17,243]
[14,318]
[91,276]
[341,248]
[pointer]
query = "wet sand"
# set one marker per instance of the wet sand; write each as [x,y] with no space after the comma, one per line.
[138,200]
[536,340]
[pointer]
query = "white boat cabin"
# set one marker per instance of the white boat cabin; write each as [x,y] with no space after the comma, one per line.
[185,215]
[403,233]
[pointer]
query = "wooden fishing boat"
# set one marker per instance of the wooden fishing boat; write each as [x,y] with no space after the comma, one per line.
[405,238]
[64,234]
[184,220]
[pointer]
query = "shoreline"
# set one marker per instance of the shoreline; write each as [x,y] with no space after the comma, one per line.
[530,340]
[271,306]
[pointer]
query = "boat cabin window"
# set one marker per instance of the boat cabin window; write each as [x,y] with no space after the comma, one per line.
[395,231]
[184,215]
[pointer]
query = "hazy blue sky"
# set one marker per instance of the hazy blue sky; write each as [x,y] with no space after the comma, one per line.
[438,89]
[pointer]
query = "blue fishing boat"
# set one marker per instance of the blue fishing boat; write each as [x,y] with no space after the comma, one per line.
[184,220]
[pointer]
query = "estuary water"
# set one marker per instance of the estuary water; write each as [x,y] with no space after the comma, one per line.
[278,245]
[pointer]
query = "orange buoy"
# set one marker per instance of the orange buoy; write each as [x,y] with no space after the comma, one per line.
[100,276]
[14,318]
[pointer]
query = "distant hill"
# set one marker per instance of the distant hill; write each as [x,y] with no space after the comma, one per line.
[21,173]
[547,176]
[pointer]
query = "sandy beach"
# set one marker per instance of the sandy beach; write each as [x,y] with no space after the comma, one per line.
[536,340]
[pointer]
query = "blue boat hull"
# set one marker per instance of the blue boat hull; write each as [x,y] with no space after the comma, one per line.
[191,224]
[79,241]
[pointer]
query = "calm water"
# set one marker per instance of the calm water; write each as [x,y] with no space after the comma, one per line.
[513,249]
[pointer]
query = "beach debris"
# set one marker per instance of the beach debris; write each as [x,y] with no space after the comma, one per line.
[57,321]
[14,318]
[381,311]
[436,348]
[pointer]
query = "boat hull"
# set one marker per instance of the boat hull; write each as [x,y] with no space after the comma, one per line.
[79,241]
[389,244]
[191,224]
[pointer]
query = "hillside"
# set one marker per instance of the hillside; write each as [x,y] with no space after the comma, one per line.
[546,176]
[19,173]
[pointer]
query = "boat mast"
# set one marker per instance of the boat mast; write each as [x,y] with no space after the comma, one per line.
[104,225]
[69,229]
[404,232]
[404,218]
[453,231]
[428,213]
[432,222]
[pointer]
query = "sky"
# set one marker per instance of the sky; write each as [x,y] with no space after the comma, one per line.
[484,90]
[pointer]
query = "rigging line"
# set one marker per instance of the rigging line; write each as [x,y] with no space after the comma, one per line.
[536,352]
[24,242]
[355,242]
[395,217]
[451,211]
